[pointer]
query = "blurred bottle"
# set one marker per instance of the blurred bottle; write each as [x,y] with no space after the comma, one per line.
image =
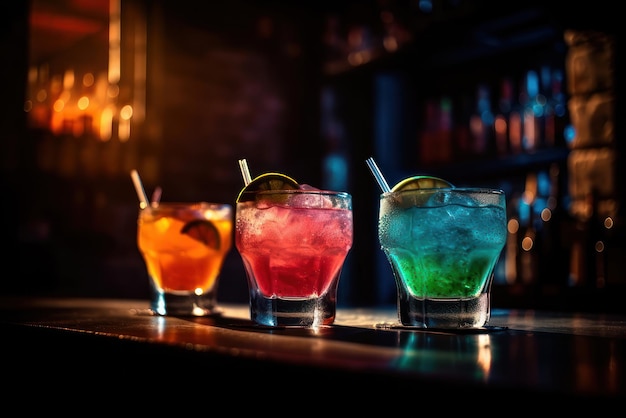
[555,117]
[515,125]
[502,118]
[435,138]
[589,269]
[533,110]
[546,135]
[554,256]
[482,123]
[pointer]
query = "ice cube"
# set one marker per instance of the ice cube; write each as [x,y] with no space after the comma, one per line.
[451,198]
[311,200]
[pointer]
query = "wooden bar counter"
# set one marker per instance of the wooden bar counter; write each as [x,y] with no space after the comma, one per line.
[524,355]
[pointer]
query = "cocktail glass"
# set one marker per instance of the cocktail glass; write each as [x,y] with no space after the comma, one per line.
[184,246]
[443,245]
[293,244]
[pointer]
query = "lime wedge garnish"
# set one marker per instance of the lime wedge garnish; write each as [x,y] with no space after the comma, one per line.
[421,182]
[268,181]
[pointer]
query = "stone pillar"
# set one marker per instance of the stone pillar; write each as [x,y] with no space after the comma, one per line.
[592,161]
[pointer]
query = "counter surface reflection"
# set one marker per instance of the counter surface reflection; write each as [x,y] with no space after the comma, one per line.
[561,356]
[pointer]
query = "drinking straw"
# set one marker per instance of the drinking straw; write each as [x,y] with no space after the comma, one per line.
[156,197]
[245,172]
[384,186]
[141,193]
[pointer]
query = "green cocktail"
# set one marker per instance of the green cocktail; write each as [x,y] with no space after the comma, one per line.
[443,245]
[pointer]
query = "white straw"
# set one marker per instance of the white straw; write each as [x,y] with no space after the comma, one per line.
[245,172]
[384,186]
[141,193]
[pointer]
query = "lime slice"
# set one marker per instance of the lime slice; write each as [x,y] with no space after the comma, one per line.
[268,181]
[421,182]
[203,231]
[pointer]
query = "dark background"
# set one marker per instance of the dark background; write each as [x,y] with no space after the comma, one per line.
[270,82]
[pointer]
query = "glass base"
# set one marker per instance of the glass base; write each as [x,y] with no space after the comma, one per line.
[184,304]
[445,313]
[276,312]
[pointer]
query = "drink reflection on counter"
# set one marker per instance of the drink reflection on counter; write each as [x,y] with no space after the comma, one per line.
[446,353]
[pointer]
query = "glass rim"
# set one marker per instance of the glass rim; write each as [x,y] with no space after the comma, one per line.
[469,189]
[299,191]
[188,205]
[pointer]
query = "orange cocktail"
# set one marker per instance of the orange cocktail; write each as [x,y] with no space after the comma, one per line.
[184,246]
